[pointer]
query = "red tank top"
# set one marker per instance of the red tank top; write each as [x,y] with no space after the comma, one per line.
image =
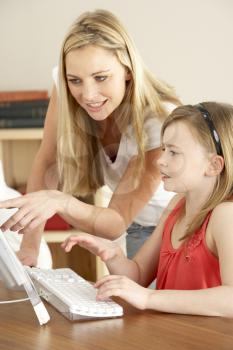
[192,265]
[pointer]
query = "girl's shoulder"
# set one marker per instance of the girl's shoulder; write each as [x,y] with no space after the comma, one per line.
[221,217]
[223,209]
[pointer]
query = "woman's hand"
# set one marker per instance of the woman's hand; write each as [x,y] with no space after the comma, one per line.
[125,288]
[27,257]
[103,248]
[34,209]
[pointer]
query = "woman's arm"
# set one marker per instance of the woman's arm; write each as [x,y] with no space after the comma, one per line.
[110,222]
[125,203]
[42,175]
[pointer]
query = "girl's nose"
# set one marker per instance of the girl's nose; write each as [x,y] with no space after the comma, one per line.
[161,160]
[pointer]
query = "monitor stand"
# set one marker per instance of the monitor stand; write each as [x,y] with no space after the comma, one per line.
[14,275]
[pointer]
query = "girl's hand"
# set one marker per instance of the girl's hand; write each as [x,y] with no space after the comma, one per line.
[33,209]
[125,288]
[103,248]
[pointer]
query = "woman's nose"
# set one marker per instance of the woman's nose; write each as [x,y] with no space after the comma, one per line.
[90,93]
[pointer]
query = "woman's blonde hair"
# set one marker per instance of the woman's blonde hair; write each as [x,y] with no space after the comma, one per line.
[78,143]
[221,115]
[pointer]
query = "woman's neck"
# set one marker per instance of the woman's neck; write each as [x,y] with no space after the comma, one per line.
[109,136]
[108,129]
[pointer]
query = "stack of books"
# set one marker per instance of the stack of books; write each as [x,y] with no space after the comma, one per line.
[23,109]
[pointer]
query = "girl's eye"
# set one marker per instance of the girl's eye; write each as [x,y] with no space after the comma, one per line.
[173,153]
[100,77]
[169,151]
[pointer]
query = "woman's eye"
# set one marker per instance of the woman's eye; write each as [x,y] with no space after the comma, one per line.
[100,77]
[74,81]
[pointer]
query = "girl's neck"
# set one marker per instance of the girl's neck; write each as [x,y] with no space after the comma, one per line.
[196,199]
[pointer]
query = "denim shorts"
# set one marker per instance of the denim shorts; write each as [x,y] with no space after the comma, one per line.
[136,236]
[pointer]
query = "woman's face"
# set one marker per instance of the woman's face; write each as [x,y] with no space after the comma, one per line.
[96,79]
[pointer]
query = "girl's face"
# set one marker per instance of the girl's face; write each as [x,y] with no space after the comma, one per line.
[184,161]
[96,79]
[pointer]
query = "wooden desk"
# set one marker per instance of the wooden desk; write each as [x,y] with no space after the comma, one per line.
[149,330]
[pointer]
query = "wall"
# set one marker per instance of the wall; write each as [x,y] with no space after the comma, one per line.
[188,43]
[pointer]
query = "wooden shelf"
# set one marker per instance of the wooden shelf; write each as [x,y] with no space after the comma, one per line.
[21,134]
[56,236]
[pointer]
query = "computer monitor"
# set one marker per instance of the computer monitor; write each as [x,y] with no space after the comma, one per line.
[14,274]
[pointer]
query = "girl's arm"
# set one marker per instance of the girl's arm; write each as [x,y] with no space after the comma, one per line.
[216,301]
[36,208]
[143,268]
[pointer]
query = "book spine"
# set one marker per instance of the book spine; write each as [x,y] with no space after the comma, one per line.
[28,95]
[29,113]
[21,123]
[23,104]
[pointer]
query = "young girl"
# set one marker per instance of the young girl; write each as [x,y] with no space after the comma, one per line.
[190,252]
[102,127]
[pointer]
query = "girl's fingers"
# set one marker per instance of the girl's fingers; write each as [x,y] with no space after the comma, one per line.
[110,289]
[106,279]
[68,246]
[93,244]
[108,294]
[72,240]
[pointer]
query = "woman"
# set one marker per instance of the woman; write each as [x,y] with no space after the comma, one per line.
[102,127]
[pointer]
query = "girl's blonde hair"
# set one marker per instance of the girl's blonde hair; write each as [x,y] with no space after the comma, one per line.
[78,156]
[221,115]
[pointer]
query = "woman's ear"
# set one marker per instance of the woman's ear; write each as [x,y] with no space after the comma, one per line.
[215,166]
[128,75]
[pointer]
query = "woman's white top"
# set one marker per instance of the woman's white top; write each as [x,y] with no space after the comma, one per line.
[113,171]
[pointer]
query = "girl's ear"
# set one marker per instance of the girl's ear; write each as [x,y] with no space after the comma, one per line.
[216,166]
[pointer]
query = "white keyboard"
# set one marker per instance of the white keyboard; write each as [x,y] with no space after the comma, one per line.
[71,294]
